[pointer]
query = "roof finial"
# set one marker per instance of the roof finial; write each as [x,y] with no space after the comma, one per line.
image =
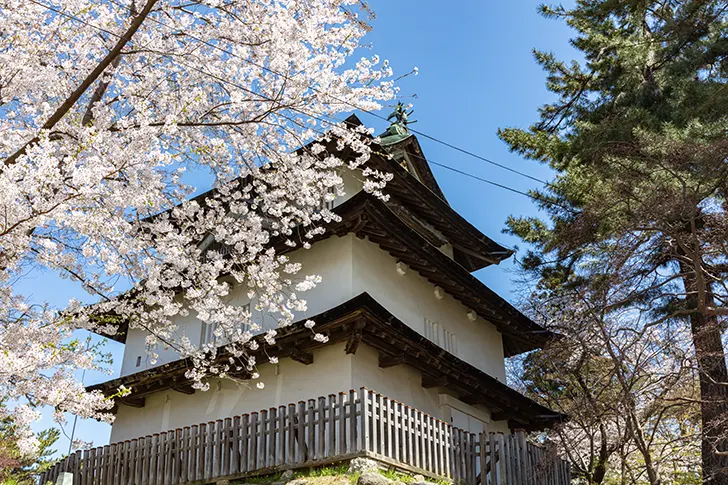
[398,131]
[401,115]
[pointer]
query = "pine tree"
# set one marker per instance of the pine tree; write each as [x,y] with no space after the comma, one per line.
[17,469]
[637,211]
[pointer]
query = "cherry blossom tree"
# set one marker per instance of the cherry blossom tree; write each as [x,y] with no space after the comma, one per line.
[104,105]
[629,387]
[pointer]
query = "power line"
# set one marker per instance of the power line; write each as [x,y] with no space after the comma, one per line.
[358,108]
[334,122]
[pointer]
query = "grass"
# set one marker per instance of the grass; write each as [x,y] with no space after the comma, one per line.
[319,472]
[325,471]
[333,475]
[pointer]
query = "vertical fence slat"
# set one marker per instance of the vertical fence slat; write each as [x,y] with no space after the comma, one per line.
[262,438]
[153,453]
[441,449]
[169,458]
[271,445]
[281,457]
[447,444]
[341,410]
[208,450]
[352,419]
[415,423]
[217,442]
[374,418]
[429,442]
[301,432]
[77,463]
[321,432]
[96,468]
[195,459]
[311,429]
[244,443]
[253,454]
[380,422]
[459,454]
[226,445]
[291,433]
[141,460]
[396,407]
[494,472]
[436,449]
[331,432]
[189,456]
[92,466]
[272,423]
[200,451]
[510,462]
[158,470]
[473,457]
[144,456]
[99,470]
[108,465]
[410,439]
[388,429]
[364,399]
[315,430]
[235,446]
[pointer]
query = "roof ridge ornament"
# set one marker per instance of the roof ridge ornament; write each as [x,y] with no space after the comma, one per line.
[398,130]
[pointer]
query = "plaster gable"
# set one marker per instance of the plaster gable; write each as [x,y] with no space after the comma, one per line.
[329,258]
[414,300]
[350,266]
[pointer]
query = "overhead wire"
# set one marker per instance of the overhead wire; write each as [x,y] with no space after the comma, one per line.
[343,101]
[331,120]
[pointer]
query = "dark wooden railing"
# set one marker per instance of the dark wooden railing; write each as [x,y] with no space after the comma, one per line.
[312,433]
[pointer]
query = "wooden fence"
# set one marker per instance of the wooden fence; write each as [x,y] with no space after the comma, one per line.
[316,432]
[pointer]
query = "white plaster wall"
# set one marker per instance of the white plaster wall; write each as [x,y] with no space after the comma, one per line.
[404,384]
[287,382]
[353,184]
[399,382]
[330,259]
[349,266]
[411,298]
[333,371]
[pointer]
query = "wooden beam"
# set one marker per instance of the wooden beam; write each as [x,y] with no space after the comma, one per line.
[183,388]
[135,402]
[428,382]
[301,356]
[500,416]
[355,338]
[360,224]
[472,399]
[391,360]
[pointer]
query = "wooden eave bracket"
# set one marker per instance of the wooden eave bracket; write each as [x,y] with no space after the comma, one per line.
[386,361]
[135,402]
[183,388]
[352,345]
[428,382]
[305,358]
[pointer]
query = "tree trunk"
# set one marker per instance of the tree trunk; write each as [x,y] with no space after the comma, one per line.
[713,376]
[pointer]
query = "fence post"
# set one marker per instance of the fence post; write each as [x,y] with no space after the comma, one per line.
[297,434]
[321,453]
[364,419]
[331,445]
[353,398]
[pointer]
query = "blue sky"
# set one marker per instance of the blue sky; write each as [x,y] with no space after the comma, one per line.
[476,74]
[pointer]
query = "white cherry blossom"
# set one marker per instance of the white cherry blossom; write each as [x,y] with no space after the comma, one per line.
[105,107]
